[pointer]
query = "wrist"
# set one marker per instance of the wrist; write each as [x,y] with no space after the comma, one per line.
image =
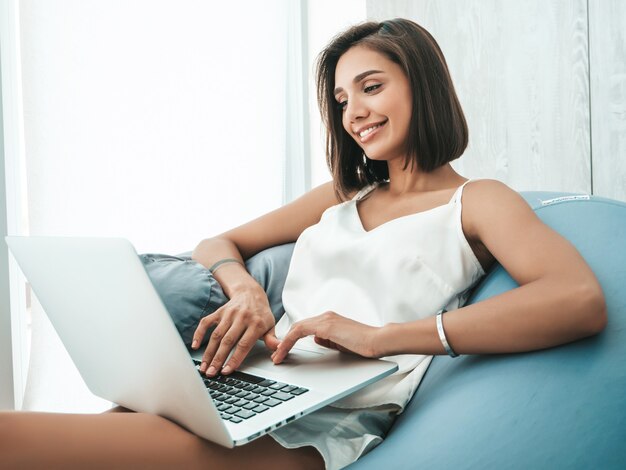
[236,281]
[416,337]
[385,340]
[246,288]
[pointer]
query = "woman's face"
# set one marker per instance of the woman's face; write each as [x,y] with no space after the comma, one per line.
[375,98]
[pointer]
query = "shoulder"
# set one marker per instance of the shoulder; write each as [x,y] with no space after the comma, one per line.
[487,188]
[484,195]
[489,204]
[498,220]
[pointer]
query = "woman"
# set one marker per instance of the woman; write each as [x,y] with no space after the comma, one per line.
[382,252]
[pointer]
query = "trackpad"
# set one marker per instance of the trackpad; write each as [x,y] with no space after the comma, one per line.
[259,358]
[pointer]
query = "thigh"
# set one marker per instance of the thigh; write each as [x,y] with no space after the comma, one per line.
[129,440]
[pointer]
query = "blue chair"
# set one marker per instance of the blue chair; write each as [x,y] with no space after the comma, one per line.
[558,408]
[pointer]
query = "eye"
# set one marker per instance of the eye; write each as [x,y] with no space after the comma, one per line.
[371,88]
[342,105]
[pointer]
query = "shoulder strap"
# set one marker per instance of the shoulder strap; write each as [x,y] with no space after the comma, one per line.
[456,197]
[364,192]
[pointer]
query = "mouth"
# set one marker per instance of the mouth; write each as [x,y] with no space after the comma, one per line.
[364,133]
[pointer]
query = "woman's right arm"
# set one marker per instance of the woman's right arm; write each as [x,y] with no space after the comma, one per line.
[247,317]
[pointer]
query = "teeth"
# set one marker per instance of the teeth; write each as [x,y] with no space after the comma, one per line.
[367,131]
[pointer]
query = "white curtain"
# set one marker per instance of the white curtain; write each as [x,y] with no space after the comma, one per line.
[158,121]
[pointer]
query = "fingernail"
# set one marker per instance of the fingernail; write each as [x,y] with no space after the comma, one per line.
[211,371]
[194,344]
[227,370]
[203,366]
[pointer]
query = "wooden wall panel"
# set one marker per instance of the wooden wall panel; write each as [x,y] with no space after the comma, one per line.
[607,25]
[521,71]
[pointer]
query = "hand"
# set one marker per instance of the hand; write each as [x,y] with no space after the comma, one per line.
[332,331]
[240,322]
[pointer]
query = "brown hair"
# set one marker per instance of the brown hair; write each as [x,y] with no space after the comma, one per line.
[438,130]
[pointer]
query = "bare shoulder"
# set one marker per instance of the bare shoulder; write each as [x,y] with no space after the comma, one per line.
[490,203]
[487,191]
[498,219]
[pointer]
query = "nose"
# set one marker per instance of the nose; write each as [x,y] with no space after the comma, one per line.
[355,110]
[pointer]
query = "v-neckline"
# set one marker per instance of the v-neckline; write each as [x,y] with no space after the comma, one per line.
[362,227]
[360,221]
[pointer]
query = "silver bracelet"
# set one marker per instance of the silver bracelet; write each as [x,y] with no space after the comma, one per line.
[442,334]
[219,263]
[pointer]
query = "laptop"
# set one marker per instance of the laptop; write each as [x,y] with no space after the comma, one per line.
[117,331]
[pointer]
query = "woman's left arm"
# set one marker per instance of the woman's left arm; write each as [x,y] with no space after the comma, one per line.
[558,300]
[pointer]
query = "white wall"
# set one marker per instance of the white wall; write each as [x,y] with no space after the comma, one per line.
[543,85]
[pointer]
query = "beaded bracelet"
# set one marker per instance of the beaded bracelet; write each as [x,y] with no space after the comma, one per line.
[442,334]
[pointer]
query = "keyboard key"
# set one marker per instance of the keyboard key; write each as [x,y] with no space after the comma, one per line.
[282,396]
[240,396]
[245,414]
[278,386]
[253,379]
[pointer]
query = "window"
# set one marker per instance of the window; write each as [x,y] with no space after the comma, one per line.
[161,123]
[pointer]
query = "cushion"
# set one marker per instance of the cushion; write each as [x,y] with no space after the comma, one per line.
[189,291]
[563,407]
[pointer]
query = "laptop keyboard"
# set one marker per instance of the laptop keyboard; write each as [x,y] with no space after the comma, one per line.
[240,396]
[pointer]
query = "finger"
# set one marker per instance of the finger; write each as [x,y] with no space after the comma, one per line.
[204,324]
[244,345]
[215,340]
[298,330]
[226,345]
[270,340]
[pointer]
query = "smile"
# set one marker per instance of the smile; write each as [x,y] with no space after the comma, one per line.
[363,133]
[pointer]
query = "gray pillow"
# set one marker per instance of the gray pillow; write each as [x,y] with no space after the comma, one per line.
[190,292]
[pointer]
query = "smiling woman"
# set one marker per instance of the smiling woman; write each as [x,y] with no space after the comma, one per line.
[407,69]
[383,253]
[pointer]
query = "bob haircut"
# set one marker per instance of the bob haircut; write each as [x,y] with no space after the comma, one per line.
[437,132]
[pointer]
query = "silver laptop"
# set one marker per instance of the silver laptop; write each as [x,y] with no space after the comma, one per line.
[115,327]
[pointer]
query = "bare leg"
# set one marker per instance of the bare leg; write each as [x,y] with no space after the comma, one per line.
[130,440]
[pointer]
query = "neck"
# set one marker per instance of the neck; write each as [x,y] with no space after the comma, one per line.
[411,181]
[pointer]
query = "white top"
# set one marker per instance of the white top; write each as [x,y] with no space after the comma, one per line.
[403,270]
